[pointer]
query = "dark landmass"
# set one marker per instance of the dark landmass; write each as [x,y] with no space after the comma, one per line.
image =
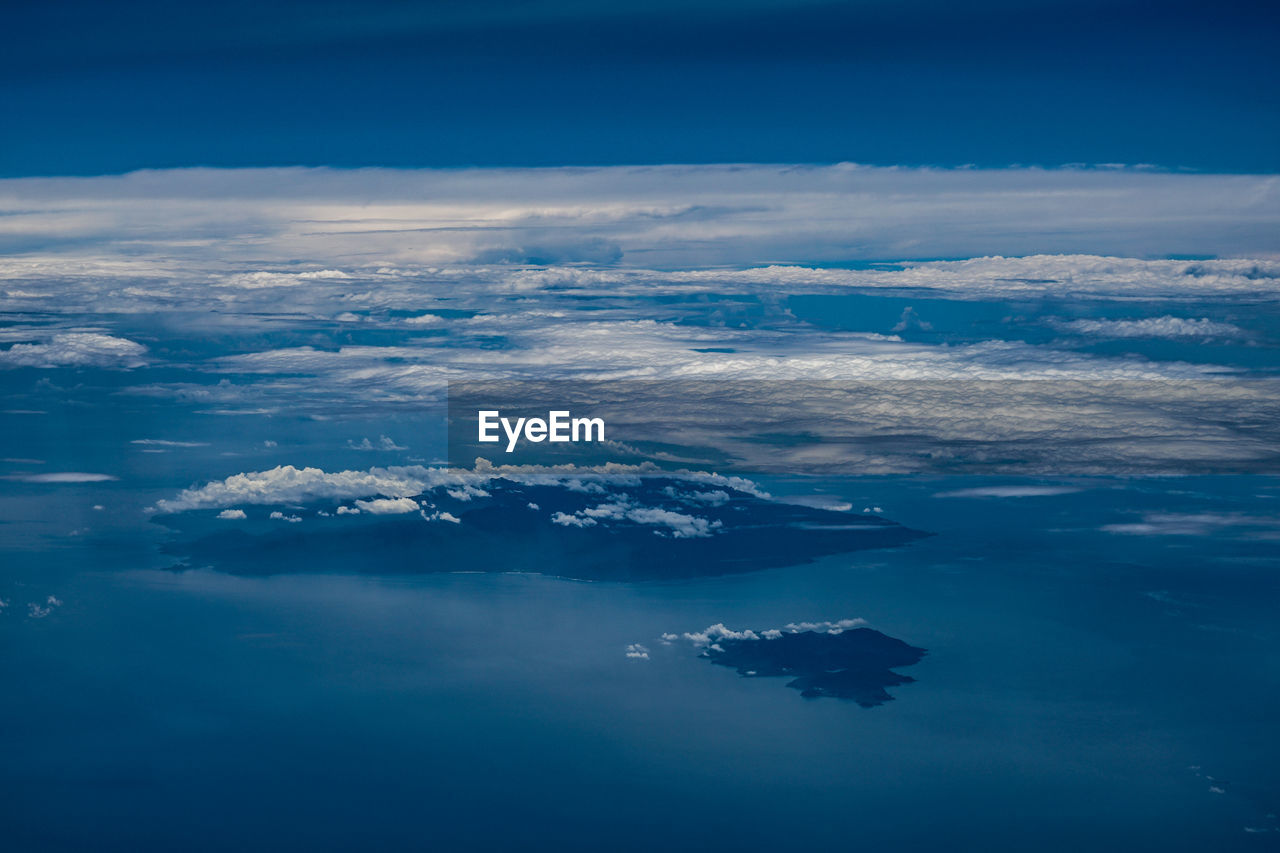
[855,664]
[503,533]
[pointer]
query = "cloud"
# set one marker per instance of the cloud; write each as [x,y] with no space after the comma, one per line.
[637,651]
[676,524]
[442,516]
[286,484]
[75,349]
[1152,327]
[159,442]
[695,290]
[37,610]
[262,279]
[383,443]
[714,633]
[280,516]
[62,477]
[567,520]
[1009,492]
[388,506]
[233,514]
[680,525]
[910,321]
[1199,524]
[667,215]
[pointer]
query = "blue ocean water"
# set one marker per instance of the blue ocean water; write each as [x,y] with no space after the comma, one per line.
[1079,684]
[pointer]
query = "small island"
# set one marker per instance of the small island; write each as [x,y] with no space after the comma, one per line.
[854,664]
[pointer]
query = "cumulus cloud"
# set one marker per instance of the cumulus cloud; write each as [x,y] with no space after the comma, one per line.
[712,634]
[680,525]
[264,279]
[39,610]
[716,497]
[676,524]
[280,516]
[566,520]
[388,506]
[286,484]
[233,514]
[383,443]
[910,321]
[75,349]
[637,651]
[441,515]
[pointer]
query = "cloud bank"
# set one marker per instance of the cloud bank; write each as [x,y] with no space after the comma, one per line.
[660,216]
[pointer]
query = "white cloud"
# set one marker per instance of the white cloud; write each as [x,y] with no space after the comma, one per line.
[712,634]
[233,514]
[37,610]
[442,516]
[718,497]
[289,485]
[160,442]
[682,526]
[265,279]
[566,520]
[280,516]
[677,524]
[76,349]
[388,506]
[1199,524]
[910,321]
[62,477]
[637,651]
[383,443]
[1152,327]
[157,221]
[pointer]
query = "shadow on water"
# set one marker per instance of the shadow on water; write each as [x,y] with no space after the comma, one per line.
[653,530]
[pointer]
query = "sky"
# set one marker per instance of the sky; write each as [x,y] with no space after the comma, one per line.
[92,88]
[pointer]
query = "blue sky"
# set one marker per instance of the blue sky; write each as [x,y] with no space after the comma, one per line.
[94,88]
